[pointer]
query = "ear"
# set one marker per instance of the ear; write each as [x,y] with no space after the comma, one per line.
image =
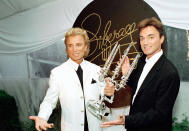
[162,39]
[66,48]
[86,47]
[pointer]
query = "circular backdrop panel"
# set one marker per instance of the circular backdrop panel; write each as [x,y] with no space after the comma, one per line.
[108,22]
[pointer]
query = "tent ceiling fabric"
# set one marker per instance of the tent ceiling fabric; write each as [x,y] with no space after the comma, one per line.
[10,7]
[38,27]
[174,13]
[29,25]
[170,11]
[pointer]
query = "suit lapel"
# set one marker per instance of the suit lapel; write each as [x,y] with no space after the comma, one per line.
[152,74]
[73,72]
[138,72]
[86,74]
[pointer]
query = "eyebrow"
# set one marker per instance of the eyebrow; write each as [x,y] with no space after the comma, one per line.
[68,44]
[151,34]
[148,35]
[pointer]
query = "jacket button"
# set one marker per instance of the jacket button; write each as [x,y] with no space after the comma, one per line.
[82,124]
[81,97]
[82,110]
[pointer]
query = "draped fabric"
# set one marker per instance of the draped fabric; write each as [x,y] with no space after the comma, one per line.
[32,25]
[173,13]
[28,94]
[11,7]
[39,27]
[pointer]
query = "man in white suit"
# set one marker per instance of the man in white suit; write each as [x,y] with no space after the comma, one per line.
[73,93]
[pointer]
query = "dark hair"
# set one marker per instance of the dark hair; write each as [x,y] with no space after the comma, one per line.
[153,21]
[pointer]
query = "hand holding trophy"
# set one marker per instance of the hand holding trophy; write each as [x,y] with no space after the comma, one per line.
[98,108]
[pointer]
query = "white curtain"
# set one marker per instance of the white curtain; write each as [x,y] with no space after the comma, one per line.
[11,7]
[39,27]
[174,13]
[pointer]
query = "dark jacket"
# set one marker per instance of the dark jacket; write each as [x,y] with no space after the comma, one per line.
[153,105]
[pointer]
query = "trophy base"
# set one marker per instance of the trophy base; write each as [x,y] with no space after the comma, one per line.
[98,109]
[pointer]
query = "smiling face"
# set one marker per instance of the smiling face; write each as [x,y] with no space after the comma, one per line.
[76,48]
[150,41]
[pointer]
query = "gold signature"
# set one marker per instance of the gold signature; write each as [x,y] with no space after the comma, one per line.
[104,40]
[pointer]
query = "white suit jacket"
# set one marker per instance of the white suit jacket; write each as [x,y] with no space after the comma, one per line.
[64,85]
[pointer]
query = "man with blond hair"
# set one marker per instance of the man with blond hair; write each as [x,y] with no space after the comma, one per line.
[73,83]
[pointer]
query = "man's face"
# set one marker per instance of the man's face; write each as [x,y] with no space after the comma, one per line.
[150,41]
[76,47]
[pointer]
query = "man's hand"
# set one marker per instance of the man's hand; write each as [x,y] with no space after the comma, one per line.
[109,89]
[119,121]
[125,66]
[40,123]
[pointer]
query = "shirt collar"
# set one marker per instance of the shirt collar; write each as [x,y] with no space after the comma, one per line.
[155,57]
[75,65]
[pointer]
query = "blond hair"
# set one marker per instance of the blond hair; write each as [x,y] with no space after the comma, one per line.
[82,32]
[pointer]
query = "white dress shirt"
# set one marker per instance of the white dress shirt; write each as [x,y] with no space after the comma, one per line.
[75,65]
[147,67]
